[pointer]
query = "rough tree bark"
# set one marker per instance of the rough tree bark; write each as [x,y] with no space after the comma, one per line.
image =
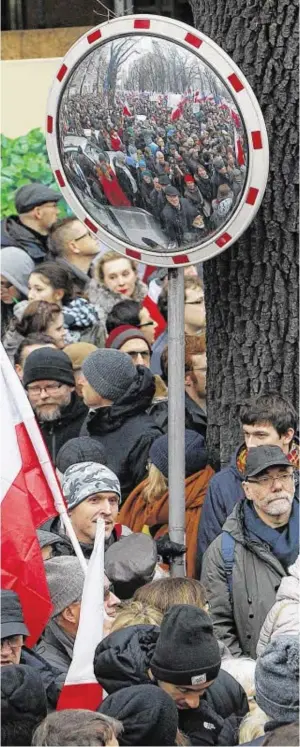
[251,290]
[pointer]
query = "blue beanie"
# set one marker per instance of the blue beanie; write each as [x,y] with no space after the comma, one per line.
[195,453]
[277,679]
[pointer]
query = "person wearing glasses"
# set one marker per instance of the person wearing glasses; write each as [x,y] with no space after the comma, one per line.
[132,341]
[74,247]
[50,385]
[243,567]
[65,579]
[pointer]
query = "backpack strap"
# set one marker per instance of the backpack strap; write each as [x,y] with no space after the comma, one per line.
[227,549]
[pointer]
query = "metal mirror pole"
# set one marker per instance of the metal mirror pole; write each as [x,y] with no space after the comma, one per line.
[176,413]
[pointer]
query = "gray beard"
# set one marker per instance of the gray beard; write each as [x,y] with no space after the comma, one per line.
[49,417]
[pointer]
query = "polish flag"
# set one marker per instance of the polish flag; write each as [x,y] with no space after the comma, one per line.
[176,112]
[126,111]
[81,689]
[236,119]
[27,500]
[155,314]
[239,153]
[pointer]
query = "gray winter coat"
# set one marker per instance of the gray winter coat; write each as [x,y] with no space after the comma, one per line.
[56,647]
[283,618]
[104,299]
[256,576]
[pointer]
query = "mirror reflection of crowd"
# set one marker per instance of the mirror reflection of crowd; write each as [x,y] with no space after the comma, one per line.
[187,173]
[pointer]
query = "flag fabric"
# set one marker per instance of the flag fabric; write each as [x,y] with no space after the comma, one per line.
[126,111]
[26,502]
[155,314]
[176,113]
[81,689]
[239,153]
[236,119]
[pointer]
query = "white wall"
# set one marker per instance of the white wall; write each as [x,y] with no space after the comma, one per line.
[25,85]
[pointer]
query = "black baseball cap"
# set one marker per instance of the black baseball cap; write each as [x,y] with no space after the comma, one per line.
[260,458]
[171,191]
[32,195]
[12,620]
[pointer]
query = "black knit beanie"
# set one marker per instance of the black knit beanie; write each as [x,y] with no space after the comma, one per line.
[48,364]
[80,449]
[149,716]
[187,651]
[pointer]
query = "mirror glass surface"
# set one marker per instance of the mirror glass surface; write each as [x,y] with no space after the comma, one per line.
[152,143]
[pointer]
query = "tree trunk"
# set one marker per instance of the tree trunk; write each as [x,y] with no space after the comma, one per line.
[251,290]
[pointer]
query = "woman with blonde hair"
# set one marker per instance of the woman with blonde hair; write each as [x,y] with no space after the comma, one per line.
[162,594]
[147,506]
[115,278]
[135,612]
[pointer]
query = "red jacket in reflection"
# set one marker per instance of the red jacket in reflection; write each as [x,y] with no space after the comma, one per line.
[111,188]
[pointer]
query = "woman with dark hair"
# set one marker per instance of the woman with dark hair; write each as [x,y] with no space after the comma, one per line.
[39,316]
[53,283]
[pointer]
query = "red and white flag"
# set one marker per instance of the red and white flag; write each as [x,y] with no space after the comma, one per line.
[176,113]
[239,153]
[26,501]
[126,111]
[81,689]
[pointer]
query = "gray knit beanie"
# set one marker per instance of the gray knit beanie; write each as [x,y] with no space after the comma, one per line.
[65,579]
[109,372]
[277,679]
[16,266]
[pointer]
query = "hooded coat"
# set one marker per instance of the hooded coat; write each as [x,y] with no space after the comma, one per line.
[136,513]
[57,432]
[104,299]
[283,618]
[149,716]
[224,491]
[13,233]
[256,575]
[123,659]
[127,431]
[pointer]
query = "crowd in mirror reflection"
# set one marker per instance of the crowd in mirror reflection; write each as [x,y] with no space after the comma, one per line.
[159,161]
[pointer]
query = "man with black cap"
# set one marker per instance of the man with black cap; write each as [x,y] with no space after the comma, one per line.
[14,652]
[37,210]
[181,218]
[50,385]
[243,567]
[183,659]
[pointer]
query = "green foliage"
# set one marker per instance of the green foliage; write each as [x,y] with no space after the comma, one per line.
[25,159]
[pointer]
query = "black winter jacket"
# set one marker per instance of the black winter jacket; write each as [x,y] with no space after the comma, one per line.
[58,432]
[48,674]
[126,431]
[195,417]
[123,659]
[13,233]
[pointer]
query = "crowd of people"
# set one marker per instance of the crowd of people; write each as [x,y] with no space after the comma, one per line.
[183,167]
[209,659]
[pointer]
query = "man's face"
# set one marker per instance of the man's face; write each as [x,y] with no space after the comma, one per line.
[47,215]
[194,307]
[185,696]
[48,398]
[148,325]
[138,350]
[173,200]
[84,516]
[111,601]
[199,373]
[90,397]
[8,291]
[271,492]
[11,648]
[264,434]
[82,241]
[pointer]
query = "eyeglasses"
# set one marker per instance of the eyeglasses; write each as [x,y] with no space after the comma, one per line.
[5,285]
[144,353]
[108,590]
[13,641]
[87,233]
[200,369]
[194,303]
[146,324]
[49,389]
[269,480]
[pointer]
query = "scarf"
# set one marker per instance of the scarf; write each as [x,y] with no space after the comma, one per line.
[137,514]
[283,544]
